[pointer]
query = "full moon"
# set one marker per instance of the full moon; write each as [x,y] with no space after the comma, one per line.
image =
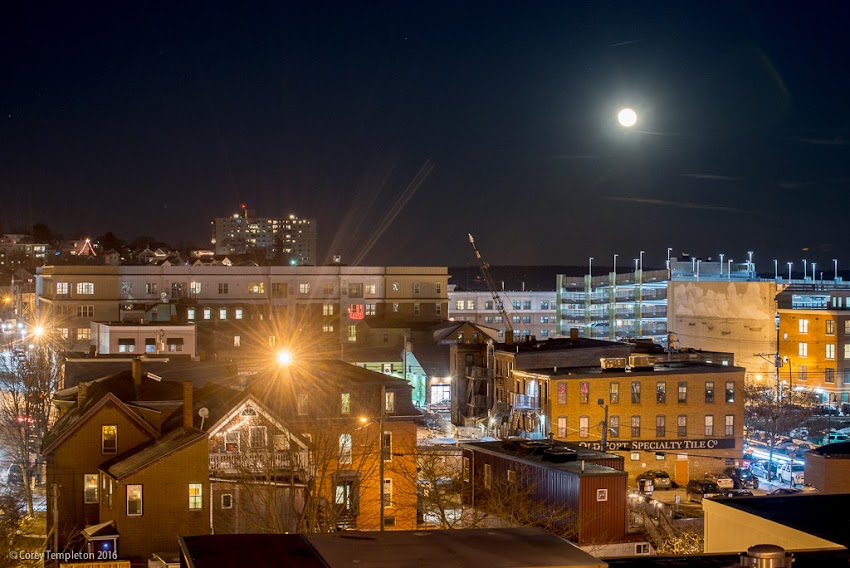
[627,117]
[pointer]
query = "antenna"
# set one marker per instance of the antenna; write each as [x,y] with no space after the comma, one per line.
[203,413]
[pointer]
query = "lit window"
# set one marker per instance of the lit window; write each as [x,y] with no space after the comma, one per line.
[196,501]
[416,309]
[511,476]
[830,327]
[327,309]
[709,391]
[345,403]
[388,493]
[583,426]
[304,288]
[682,425]
[730,391]
[562,426]
[345,448]
[222,288]
[803,326]
[190,314]
[488,476]
[369,288]
[709,425]
[470,304]
[803,349]
[222,313]
[370,309]
[830,351]
[237,341]
[257,437]
[126,345]
[730,425]
[614,393]
[636,426]
[660,426]
[614,426]
[134,500]
[461,304]
[256,288]
[61,288]
[195,288]
[90,487]
[109,439]
[207,313]
[417,288]
[660,392]
[390,402]
[327,329]
[352,333]
[85,288]
[83,333]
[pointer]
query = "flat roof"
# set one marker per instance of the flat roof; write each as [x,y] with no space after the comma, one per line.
[661,368]
[493,548]
[589,456]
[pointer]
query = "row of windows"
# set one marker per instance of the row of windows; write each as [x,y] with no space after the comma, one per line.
[635,426]
[517,305]
[660,392]
[134,495]
[829,350]
[829,326]
[345,448]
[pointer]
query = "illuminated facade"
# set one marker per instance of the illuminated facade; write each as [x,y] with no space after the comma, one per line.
[291,240]
[530,313]
[814,340]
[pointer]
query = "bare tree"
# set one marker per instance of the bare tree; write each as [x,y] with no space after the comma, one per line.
[28,379]
[774,415]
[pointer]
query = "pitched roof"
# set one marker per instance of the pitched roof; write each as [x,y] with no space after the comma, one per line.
[168,368]
[141,457]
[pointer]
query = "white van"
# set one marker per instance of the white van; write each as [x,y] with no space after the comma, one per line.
[788,472]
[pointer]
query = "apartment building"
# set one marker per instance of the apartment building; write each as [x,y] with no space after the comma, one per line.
[530,313]
[237,308]
[290,239]
[814,341]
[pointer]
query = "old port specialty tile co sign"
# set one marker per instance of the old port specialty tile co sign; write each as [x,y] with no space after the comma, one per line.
[663,445]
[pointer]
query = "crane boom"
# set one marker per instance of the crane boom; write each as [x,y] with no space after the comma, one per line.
[485,272]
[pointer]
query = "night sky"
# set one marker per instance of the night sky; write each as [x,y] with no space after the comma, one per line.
[403,126]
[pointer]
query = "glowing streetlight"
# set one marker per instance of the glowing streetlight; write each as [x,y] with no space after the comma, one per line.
[284,357]
[627,117]
[38,331]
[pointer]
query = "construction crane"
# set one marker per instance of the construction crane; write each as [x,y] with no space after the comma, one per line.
[485,272]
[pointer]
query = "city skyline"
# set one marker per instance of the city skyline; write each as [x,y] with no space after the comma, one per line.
[403,128]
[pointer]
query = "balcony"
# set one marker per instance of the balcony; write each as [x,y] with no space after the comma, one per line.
[257,462]
[526,402]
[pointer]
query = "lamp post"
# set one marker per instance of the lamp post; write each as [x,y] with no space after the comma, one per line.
[775,269]
[835,269]
[641,263]
[698,261]
[615,266]
[814,277]
[805,272]
[721,264]
[789,271]
[669,266]
[590,267]
[729,270]
[749,262]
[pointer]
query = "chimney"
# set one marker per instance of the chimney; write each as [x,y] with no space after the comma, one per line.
[573,334]
[137,371]
[188,415]
[82,394]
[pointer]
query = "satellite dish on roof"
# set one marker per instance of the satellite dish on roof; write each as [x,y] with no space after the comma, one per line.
[203,413]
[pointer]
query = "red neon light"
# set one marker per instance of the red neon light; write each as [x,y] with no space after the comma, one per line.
[356,312]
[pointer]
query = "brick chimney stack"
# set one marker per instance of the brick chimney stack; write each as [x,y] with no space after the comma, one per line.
[137,371]
[188,414]
[82,394]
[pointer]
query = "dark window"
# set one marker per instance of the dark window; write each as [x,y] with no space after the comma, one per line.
[660,426]
[682,425]
[635,392]
[829,375]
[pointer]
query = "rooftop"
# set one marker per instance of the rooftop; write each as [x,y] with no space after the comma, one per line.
[585,464]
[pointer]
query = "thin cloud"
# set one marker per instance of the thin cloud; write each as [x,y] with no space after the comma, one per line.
[630,42]
[679,204]
[712,177]
[794,184]
[575,157]
[837,141]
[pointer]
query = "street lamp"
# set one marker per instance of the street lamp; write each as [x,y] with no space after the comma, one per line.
[284,357]
[641,262]
[775,269]
[749,261]
[805,273]
[789,271]
[590,267]
[813,271]
[721,264]
[669,266]
[835,269]
[729,270]
[615,266]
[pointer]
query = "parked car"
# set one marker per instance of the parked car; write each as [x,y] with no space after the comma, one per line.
[699,489]
[791,473]
[742,477]
[785,491]
[762,467]
[722,480]
[660,479]
[835,437]
[14,475]
[735,493]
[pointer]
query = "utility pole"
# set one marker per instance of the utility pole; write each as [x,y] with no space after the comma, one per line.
[601,403]
[55,517]
[383,409]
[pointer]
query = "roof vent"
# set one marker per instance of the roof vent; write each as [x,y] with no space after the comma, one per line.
[766,556]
